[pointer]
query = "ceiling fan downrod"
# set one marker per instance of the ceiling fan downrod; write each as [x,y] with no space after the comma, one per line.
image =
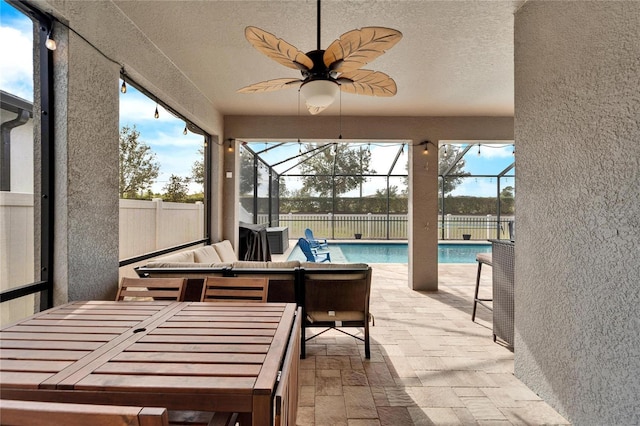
[318,25]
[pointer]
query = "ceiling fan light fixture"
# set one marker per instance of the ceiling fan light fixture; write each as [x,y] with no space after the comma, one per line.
[319,93]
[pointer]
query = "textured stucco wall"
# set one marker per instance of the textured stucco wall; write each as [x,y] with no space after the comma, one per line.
[577,128]
[86,137]
[423,192]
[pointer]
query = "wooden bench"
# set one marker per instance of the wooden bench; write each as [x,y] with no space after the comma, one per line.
[36,413]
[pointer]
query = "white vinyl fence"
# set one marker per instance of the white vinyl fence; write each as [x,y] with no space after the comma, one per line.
[146,226]
[394,226]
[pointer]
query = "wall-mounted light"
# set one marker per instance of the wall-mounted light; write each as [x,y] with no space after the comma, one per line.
[50,43]
[156,114]
[426,146]
[230,146]
[123,88]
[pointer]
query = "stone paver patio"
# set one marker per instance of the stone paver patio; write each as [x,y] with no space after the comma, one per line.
[430,364]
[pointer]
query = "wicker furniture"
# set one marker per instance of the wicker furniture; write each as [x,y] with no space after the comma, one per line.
[503,261]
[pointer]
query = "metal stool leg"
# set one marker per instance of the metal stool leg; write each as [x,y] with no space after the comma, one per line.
[477,300]
[475,296]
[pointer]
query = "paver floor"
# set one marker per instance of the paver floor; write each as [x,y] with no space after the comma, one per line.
[430,364]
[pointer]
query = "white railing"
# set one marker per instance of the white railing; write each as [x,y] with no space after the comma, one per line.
[395,226]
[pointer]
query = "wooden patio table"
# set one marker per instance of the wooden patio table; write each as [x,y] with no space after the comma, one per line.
[223,356]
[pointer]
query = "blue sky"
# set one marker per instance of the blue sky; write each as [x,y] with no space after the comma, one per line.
[177,153]
[493,159]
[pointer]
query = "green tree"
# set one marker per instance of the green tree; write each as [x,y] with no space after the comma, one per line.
[197,170]
[246,173]
[507,192]
[177,189]
[446,158]
[338,165]
[138,165]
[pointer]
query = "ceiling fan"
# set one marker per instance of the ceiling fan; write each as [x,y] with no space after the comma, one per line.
[326,72]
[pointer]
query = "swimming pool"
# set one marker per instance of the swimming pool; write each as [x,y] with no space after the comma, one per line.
[396,252]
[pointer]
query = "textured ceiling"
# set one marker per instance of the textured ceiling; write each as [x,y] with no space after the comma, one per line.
[455,58]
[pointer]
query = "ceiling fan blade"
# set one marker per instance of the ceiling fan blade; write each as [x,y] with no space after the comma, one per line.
[367,82]
[278,49]
[357,48]
[271,85]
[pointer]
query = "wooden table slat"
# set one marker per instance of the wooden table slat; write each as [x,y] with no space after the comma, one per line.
[40,366]
[61,329]
[223,325]
[180,384]
[179,369]
[124,316]
[85,337]
[170,330]
[191,357]
[27,354]
[205,339]
[84,323]
[48,344]
[22,380]
[211,348]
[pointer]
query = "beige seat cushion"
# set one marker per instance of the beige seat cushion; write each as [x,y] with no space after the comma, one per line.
[225,251]
[484,258]
[249,264]
[185,256]
[206,254]
[216,265]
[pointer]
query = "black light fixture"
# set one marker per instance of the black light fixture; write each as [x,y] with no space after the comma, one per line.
[230,146]
[156,114]
[123,88]
[184,132]
[426,146]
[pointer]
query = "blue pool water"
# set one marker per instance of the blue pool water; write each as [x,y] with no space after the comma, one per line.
[396,252]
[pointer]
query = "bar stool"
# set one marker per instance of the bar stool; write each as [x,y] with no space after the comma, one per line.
[485,258]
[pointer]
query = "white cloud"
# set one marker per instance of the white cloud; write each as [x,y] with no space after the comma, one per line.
[137,108]
[16,66]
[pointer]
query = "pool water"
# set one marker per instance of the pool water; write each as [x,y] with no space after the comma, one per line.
[396,252]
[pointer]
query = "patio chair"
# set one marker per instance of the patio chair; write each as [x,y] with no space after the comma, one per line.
[310,254]
[336,298]
[225,289]
[314,242]
[132,289]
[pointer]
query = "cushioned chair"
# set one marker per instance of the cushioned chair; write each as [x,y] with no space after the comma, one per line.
[132,289]
[336,298]
[225,289]
[315,243]
[312,255]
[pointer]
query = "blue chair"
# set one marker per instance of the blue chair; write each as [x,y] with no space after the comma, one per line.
[309,253]
[314,242]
